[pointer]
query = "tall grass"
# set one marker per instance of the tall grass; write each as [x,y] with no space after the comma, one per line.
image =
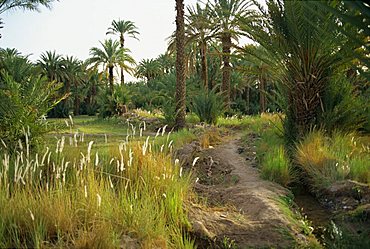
[276,167]
[325,159]
[76,196]
[273,159]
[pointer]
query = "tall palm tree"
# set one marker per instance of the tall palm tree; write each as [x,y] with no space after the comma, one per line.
[199,30]
[6,5]
[92,81]
[111,56]
[51,64]
[73,77]
[180,66]
[15,64]
[149,69]
[306,55]
[167,63]
[257,70]
[123,28]
[225,16]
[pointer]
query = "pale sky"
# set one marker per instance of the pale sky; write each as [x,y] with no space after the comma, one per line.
[72,27]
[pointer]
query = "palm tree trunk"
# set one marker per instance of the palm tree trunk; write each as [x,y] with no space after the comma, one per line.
[122,41]
[110,78]
[67,91]
[226,70]
[262,90]
[203,51]
[76,106]
[122,77]
[246,96]
[180,66]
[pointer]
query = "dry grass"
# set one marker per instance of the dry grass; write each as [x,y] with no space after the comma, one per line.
[76,196]
[328,159]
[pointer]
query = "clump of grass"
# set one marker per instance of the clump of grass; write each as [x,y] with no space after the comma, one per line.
[209,137]
[275,166]
[191,118]
[274,162]
[77,196]
[326,159]
[233,121]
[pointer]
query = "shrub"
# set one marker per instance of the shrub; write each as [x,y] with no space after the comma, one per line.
[342,108]
[22,108]
[208,106]
[169,112]
[113,104]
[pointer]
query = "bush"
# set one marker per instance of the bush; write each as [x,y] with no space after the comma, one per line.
[169,112]
[22,108]
[343,109]
[208,106]
[113,104]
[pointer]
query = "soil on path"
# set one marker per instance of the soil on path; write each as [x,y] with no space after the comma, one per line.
[242,210]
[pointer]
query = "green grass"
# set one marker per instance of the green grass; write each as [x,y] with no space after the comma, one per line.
[91,125]
[274,162]
[276,167]
[89,196]
[299,223]
[327,159]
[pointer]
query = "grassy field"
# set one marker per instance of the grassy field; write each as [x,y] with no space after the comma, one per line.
[104,183]
[85,190]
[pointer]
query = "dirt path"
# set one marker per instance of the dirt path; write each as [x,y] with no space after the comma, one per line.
[245,210]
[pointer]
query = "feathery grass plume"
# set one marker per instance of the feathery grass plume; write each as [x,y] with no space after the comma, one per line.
[67,192]
[195,161]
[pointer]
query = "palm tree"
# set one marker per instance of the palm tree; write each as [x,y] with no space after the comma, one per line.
[149,69]
[51,64]
[180,66]
[15,64]
[111,56]
[123,28]
[199,31]
[92,81]
[305,53]
[33,5]
[225,16]
[257,70]
[167,63]
[355,15]
[73,76]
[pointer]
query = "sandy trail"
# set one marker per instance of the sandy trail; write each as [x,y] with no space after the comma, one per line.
[257,219]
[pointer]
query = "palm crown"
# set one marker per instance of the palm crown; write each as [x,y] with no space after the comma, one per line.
[122,28]
[110,56]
